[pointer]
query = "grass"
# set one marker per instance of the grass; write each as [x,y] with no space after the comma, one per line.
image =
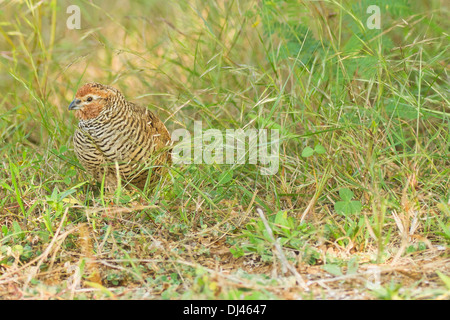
[359,207]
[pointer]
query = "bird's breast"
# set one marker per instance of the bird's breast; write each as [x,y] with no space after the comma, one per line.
[125,139]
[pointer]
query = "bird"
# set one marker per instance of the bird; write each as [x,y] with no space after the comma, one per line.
[117,140]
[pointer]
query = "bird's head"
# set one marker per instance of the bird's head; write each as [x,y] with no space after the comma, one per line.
[91,99]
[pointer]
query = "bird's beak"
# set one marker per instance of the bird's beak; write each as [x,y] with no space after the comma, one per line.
[75,104]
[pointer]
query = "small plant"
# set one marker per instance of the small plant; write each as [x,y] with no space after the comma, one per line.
[389,292]
[337,269]
[286,229]
[308,151]
[347,206]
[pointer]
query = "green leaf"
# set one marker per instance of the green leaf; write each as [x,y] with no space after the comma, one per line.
[4,230]
[17,249]
[307,152]
[334,269]
[444,278]
[65,194]
[225,177]
[7,187]
[348,207]
[346,194]
[281,219]
[355,207]
[352,266]
[319,149]
[18,230]
[237,252]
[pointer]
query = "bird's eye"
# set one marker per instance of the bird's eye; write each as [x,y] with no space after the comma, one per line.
[89,99]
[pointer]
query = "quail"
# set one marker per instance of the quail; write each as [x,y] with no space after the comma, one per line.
[117,139]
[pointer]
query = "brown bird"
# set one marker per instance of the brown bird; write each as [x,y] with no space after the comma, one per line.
[118,139]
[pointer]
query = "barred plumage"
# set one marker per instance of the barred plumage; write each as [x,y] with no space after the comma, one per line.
[116,138]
